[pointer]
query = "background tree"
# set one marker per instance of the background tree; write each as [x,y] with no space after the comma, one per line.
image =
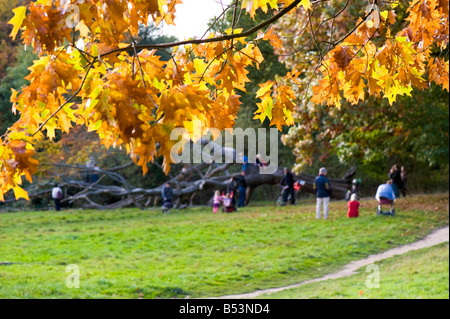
[367,133]
[9,49]
[8,46]
[13,78]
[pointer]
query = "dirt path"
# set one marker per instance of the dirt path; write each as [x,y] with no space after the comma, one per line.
[437,237]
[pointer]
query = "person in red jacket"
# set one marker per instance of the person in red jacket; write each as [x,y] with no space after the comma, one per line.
[353,207]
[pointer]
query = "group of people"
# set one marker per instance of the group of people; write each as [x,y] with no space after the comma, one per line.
[386,193]
[323,194]
[238,184]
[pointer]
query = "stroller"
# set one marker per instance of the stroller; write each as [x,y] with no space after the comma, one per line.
[166,206]
[228,204]
[384,203]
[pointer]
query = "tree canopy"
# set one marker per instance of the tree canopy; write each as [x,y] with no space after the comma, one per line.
[368,129]
[92,71]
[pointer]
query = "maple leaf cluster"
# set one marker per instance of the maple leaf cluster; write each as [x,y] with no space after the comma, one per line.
[91,72]
[341,63]
[358,66]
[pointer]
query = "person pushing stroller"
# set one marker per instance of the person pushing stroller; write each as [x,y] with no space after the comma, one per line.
[385,196]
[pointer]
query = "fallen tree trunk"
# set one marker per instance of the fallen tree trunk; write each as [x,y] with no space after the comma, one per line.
[192,180]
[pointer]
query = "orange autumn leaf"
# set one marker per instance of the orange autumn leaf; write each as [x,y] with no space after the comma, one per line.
[273,38]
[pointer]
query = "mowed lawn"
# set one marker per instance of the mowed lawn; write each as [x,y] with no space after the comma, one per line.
[194,253]
[417,274]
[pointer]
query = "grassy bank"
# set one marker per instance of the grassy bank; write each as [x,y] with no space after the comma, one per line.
[130,253]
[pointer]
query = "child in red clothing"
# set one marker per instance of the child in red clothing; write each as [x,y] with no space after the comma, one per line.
[353,207]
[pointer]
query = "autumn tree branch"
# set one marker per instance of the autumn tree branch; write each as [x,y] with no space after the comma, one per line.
[244,34]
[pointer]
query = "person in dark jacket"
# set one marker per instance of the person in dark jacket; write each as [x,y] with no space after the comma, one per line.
[231,189]
[167,196]
[396,177]
[242,184]
[323,193]
[404,178]
[288,183]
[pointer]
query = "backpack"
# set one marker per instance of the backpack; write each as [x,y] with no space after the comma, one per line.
[59,194]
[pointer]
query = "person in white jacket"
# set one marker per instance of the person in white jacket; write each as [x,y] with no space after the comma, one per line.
[385,196]
[57,195]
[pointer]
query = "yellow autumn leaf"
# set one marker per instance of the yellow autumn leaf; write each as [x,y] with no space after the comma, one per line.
[306,4]
[264,109]
[200,66]
[265,87]
[16,21]
[83,28]
[19,192]
[123,45]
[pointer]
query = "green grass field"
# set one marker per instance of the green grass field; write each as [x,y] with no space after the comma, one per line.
[193,253]
[414,275]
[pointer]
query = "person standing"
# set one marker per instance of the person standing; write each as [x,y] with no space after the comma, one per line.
[395,176]
[217,199]
[288,183]
[231,189]
[57,195]
[404,178]
[242,183]
[167,195]
[244,162]
[323,193]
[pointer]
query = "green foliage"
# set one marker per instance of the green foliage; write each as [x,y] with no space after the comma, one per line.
[401,132]
[14,78]
[8,46]
[374,135]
